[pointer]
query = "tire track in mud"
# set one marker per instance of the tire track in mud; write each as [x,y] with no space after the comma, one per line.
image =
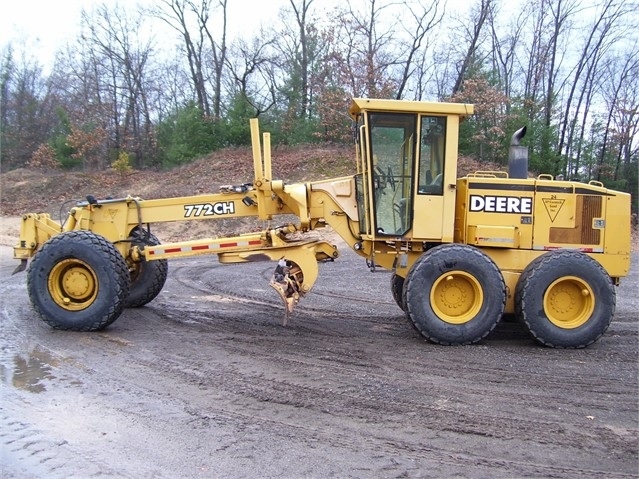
[396,324]
[357,406]
[343,358]
[507,331]
[395,399]
[29,450]
[40,369]
[355,403]
[257,288]
[397,403]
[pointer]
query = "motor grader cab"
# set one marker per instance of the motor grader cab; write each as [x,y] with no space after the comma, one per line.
[462,251]
[408,170]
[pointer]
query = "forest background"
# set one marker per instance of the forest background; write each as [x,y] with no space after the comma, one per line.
[120,95]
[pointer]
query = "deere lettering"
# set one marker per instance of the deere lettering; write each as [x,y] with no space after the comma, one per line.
[208,209]
[501,204]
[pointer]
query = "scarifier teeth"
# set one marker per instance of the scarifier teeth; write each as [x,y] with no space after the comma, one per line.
[21,267]
[289,303]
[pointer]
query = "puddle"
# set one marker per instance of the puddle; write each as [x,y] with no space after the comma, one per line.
[30,371]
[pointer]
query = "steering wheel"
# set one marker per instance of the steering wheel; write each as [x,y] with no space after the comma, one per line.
[391,178]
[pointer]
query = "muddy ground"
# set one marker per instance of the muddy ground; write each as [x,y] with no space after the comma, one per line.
[205,382]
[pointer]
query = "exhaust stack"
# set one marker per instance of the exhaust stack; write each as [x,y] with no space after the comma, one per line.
[518,156]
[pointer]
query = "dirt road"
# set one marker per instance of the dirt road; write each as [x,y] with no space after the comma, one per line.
[205,382]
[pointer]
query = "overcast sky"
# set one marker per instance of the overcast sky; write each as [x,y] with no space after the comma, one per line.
[47,22]
[45,25]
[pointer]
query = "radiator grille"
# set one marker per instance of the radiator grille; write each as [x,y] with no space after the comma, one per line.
[591,209]
[587,208]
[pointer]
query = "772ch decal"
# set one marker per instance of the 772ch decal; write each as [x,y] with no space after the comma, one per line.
[209,209]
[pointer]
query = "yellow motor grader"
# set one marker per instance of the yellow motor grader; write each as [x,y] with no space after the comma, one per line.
[462,251]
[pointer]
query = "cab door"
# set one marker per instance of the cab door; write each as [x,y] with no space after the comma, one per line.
[436,178]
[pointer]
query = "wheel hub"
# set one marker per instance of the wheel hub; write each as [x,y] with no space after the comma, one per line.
[73,284]
[456,297]
[76,283]
[569,302]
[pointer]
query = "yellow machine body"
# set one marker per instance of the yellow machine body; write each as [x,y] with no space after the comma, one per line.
[403,202]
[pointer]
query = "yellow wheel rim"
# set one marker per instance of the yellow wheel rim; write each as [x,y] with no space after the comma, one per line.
[456,297]
[569,302]
[73,284]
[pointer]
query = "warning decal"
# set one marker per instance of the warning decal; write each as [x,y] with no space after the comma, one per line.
[553,205]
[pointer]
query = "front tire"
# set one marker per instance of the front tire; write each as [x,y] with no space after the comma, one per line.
[454,294]
[78,281]
[565,299]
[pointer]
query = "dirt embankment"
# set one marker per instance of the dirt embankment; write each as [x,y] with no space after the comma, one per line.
[25,190]
[54,192]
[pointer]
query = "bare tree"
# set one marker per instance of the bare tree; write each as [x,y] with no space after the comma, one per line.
[298,52]
[112,34]
[550,25]
[175,13]
[504,50]
[251,77]
[561,11]
[301,47]
[6,69]
[622,121]
[423,74]
[549,38]
[193,20]
[425,19]
[597,41]
[365,57]
[537,56]
[173,88]
[28,117]
[473,34]
[218,51]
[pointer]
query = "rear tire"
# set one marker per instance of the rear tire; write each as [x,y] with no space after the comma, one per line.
[454,294]
[78,281]
[565,299]
[147,277]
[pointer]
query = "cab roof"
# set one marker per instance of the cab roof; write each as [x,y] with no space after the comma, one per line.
[406,106]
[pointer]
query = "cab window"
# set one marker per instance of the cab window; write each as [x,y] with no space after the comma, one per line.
[431,155]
